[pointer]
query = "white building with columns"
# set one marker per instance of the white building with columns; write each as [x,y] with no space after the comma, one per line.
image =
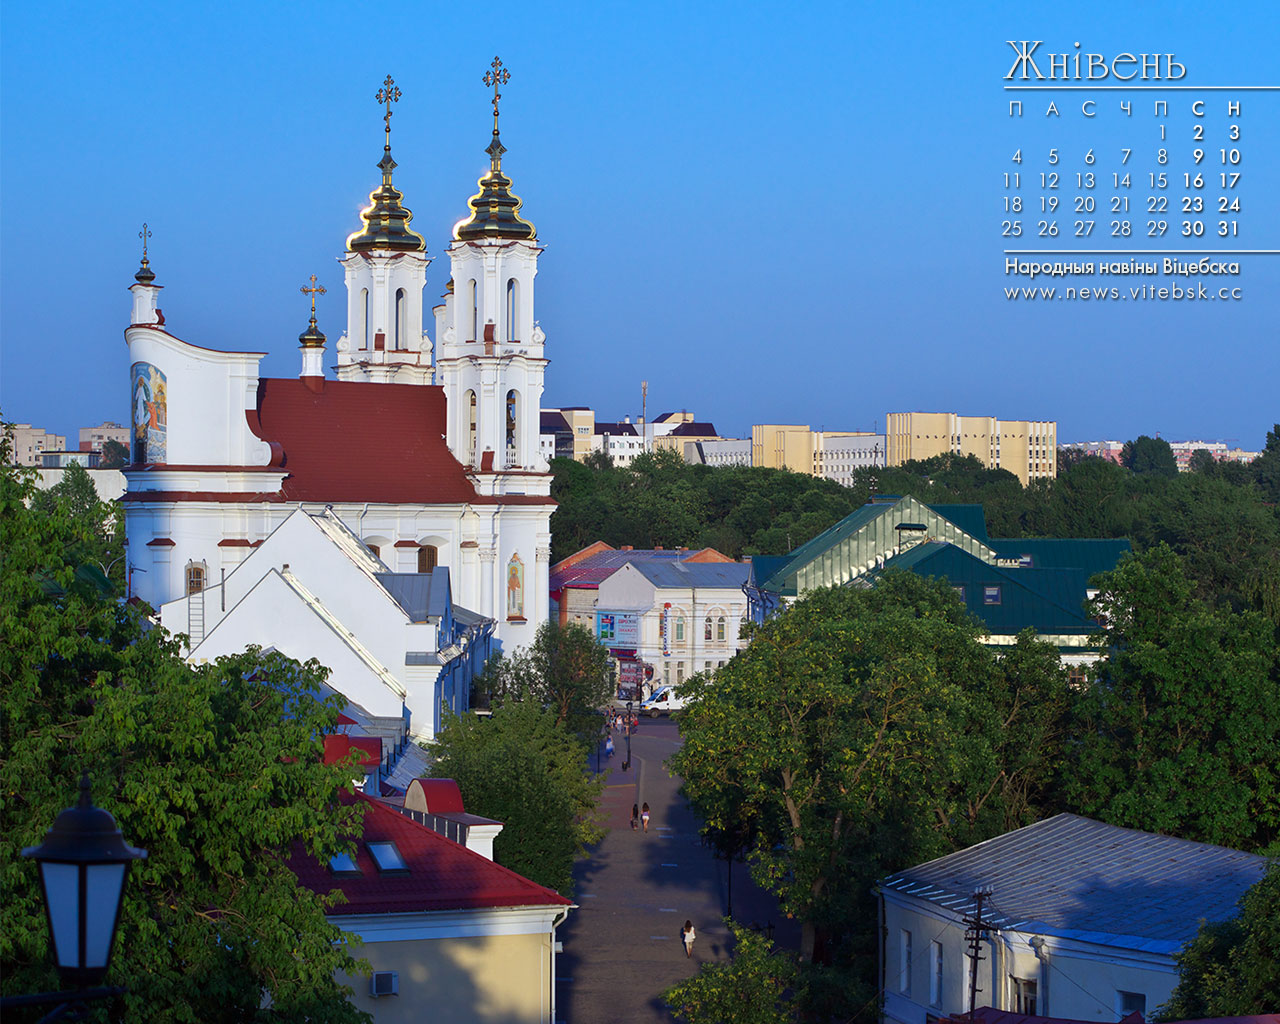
[428,453]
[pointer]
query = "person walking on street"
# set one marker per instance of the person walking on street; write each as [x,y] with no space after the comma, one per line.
[608,747]
[687,935]
[644,816]
[635,817]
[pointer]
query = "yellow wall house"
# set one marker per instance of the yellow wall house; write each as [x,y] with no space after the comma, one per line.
[1026,448]
[450,935]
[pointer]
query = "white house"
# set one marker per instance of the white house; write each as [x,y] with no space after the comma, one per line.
[395,643]
[1080,920]
[681,617]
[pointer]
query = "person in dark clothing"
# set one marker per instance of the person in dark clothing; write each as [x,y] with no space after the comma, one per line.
[635,817]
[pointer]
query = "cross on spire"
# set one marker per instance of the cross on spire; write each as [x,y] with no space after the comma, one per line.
[388,94]
[313,291]
[144,234]
[496,77]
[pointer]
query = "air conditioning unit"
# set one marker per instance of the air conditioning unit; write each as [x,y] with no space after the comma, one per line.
[384,983]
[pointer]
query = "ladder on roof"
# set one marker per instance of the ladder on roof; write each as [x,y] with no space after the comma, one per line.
[195,618]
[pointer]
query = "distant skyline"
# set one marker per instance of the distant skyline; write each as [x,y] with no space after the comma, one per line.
[771,215]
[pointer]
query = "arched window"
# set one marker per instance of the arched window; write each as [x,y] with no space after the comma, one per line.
[706,629]
[428,554]
[513,401]
[474,297]
[680,629]
[720,628]
[471,427]
[364,318]
[397,339]
[195,577]
[513,307]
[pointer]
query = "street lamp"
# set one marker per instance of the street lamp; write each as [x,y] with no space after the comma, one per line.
[628,732]
[83,864]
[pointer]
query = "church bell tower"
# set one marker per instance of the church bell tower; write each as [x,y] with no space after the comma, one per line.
[386,270]
[490,352]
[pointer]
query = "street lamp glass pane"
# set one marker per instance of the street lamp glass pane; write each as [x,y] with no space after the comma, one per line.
[61,887]
[101,902]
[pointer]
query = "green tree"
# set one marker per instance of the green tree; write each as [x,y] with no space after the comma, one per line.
[564,669]
[114,455]
[1149,455]
[216,771]
[1266,467]
[521,768]
[753,987]
[1180,731]
[1201,461]
[1231,968]
[100,542]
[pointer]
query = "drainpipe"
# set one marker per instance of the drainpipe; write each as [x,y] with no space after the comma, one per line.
[556,922]
[360,522]
[1042,954]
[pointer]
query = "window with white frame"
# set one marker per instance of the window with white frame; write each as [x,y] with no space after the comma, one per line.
[1024,995]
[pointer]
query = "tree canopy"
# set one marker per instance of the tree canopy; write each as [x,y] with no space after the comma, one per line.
[862,730]
[753,987]
[565,670]
[523,769]
[216,771]
[1179,731]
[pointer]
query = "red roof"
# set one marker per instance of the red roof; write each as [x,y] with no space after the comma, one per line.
[338,745]
[355,441]
[988,1015]
[442,875]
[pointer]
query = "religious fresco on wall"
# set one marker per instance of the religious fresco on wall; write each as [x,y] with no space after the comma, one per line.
[515,588]
[150,413]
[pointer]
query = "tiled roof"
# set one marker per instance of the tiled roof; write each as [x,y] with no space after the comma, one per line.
[1077,878]
[721,575]
[442,874]
[354,441]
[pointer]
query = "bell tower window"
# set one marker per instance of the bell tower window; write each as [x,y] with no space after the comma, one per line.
[472,294]
[513,434]
[397,341]
[364,318]
[513,306]
[471,428]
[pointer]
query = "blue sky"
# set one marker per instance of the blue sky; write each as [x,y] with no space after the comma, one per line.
[772,213]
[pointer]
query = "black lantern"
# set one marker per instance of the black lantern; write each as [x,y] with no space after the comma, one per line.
[83,864]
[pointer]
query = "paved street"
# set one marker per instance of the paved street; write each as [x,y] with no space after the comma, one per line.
[622,947]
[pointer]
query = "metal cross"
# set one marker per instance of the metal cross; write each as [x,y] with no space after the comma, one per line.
[388,94]
[313,291]
[498,76]
[144,234]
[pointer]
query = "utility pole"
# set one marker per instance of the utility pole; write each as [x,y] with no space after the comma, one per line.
[973,936]
[644,415]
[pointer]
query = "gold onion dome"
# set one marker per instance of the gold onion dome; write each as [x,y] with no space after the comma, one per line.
[312,337]
[386,220]
[495,209]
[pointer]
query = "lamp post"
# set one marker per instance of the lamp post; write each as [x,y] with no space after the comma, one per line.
[628,732]
[83,863]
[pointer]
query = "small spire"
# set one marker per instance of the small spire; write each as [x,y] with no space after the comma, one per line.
[496,75]
[145,274]
[495,209]
[386,220]
[311,337]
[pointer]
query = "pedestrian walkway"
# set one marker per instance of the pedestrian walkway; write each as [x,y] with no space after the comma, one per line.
[622,946]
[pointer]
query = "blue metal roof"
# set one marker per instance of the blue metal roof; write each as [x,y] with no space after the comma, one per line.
[724,575]
[422,595]
[1079,878]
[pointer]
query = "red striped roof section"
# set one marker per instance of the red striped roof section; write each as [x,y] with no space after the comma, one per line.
[442,875]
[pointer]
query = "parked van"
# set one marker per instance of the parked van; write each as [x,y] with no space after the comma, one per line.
[663,701]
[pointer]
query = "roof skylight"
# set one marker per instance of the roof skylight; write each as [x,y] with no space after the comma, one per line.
[387,857]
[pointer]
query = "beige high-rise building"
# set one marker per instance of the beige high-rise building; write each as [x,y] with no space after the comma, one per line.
[30,443]
[833,454]
[1026,448]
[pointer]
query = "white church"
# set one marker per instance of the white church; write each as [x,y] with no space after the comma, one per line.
[426,454]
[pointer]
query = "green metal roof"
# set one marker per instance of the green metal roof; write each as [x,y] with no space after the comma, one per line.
[1089,556]
[1047,600]
[847,526]
[970,518]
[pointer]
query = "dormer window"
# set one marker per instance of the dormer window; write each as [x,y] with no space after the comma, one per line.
[387,858]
